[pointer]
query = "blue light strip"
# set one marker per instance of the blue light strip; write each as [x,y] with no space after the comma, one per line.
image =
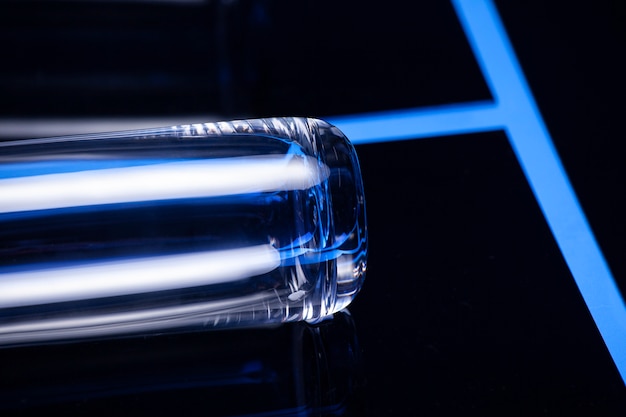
[515,111]
[419,123]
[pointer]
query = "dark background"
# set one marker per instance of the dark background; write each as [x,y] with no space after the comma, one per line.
[468,307]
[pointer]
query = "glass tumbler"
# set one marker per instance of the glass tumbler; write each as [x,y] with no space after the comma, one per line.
[190,227]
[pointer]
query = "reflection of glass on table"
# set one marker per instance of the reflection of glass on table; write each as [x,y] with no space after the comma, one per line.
[292,370]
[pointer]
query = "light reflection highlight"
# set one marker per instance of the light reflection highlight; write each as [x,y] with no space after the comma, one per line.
[133,276]
[208,313]
[176,180]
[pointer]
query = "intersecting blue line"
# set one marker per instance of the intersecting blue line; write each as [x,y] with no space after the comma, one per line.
[514,111]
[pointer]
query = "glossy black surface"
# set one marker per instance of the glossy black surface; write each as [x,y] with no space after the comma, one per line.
[468,307]
[294,370]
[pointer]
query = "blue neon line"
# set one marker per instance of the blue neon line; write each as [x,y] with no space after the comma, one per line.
[419,123]
[543,169]
[516,112]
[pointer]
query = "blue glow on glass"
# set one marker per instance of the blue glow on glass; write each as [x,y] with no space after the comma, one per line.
[28,169]
[516,112]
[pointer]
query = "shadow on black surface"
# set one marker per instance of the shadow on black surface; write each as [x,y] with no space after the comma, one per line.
[295,369]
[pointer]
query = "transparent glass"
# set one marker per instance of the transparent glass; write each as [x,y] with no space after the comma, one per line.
[213,225]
